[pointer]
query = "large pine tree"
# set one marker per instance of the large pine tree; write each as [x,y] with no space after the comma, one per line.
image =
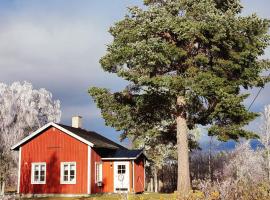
[187,63]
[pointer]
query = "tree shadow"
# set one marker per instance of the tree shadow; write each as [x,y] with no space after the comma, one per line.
[52,184]
[25,178]
[53,175]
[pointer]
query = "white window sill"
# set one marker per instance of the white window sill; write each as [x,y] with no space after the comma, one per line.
[67,183]
[38,183]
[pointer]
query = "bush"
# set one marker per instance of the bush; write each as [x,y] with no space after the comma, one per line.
[232,190]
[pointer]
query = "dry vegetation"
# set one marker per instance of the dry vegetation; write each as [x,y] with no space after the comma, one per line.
[149,196]
[242,192]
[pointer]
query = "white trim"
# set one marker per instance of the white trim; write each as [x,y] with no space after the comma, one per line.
[115,166]
[56,126]
[89,170]
[33,182]
[19,170]
[100,171]
[62,182]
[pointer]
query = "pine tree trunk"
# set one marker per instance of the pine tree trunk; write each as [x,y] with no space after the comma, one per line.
[183,183]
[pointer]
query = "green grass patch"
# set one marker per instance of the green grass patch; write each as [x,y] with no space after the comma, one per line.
[147,196]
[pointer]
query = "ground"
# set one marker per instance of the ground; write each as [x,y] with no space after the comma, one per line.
[118,197]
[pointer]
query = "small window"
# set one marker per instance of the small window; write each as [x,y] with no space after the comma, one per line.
[68,173]
[121,169]
[38,173]
[98,172]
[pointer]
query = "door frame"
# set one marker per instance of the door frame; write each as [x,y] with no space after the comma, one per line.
[127,163]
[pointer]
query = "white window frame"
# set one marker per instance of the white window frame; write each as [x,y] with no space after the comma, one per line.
[33,172]
[62,173]
[98,170]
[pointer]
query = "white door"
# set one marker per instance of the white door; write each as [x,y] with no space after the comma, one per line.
[121,176]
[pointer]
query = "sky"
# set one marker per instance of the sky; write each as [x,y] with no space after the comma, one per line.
[57,44]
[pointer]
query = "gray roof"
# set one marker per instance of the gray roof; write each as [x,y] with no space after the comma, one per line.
[105,147]
[119,153]
[93,137]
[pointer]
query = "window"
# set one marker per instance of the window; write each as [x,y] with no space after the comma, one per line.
[98,172]
[121,169]
[68,173]
[38,173]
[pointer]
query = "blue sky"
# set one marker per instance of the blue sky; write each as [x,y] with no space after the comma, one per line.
[56,44]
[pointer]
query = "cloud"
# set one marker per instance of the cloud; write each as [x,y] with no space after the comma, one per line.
[58,44]
[61,54]
[69,51]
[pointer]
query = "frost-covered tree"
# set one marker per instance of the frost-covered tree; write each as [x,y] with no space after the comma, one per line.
[22,110]
[265,135]
[245,164]
[243,176]
[156,151]
[186,62]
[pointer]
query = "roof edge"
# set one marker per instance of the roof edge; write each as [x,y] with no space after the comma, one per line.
[15,147]
[132,158]
[99,135]
[127,158]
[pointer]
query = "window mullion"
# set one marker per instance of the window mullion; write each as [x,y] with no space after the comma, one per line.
[69,168]
[39,172]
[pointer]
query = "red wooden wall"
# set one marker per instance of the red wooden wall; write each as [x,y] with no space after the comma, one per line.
[108,177]
[53,146]
[139,175]
[94,158]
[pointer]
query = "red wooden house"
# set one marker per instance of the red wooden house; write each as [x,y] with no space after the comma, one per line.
[60,159]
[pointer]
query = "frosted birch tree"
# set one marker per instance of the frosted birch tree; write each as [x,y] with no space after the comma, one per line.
[245,164]
[22,110]
[265,135]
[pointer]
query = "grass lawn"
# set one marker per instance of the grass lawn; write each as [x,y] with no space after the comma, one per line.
[146,196]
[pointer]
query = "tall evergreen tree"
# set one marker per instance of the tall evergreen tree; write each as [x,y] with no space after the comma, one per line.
[187,62]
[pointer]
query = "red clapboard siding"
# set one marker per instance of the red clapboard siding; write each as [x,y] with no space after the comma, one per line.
[94,158]
[108,177]
[139,175]
[53,146]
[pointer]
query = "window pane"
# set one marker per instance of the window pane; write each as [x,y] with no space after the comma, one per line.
[100,168]
[36,173]
[72,178]
[72,173]
[42,173]
[99,172]
[72,167]
[35,178]
[65,178]
[65,172]
[42,168]
[42,178]
[36,168]
[68,172]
